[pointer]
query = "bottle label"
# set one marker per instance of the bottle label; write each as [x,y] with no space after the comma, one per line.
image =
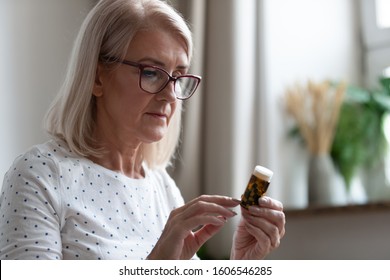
[254,190]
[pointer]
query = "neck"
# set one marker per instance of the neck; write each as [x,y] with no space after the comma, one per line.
[121,156]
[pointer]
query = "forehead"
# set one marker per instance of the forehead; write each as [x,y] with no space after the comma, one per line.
[158,44]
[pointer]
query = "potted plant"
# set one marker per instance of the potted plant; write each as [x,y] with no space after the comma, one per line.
[360,142]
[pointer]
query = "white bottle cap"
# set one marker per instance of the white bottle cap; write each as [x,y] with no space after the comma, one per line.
[263,173]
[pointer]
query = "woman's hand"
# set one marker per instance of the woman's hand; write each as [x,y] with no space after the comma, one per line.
[178,240]
[259,231]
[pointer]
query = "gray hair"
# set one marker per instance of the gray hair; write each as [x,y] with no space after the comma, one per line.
[107,32]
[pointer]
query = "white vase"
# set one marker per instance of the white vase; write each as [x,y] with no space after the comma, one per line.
[326,186]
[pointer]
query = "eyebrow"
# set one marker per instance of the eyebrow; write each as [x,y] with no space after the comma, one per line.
[155,62]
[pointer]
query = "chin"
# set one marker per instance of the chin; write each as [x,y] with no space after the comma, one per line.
[155,137]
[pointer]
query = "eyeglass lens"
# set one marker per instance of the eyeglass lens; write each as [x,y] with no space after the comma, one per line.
[154,80]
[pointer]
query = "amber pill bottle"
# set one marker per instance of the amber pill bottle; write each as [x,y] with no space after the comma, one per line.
[257,186]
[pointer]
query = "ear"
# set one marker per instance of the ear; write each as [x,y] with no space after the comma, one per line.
[98,85]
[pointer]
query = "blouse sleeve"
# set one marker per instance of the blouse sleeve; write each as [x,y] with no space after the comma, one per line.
[29,203]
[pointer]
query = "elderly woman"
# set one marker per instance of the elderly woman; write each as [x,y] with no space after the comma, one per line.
[99,189]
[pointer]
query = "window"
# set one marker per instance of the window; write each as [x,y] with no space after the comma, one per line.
[382,12]
[376,39]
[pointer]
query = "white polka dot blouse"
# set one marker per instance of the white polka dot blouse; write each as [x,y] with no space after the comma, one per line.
[57,205]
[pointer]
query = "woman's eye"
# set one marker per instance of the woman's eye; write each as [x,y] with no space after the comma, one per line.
[147,73]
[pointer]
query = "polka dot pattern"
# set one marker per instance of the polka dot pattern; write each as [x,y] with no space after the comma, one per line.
[57,205]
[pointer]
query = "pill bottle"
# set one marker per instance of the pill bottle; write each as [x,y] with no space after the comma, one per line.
[257,186]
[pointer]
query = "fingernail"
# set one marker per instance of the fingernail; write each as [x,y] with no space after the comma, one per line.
[234,213]
[262,201]
[236,200]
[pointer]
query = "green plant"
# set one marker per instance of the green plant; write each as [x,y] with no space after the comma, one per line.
[359,139]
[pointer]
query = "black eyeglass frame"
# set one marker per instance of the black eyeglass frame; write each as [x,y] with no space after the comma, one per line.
[141,67]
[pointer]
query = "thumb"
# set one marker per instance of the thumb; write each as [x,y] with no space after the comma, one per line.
[206,232]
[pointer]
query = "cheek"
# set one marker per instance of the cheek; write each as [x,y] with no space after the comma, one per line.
[126,98]
[175,108]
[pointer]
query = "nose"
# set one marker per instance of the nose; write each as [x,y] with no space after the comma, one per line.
[168,93]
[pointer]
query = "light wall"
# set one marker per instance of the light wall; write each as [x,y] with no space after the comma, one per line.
[35,41]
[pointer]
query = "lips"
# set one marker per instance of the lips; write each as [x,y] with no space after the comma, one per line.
[160,112]
[158,115]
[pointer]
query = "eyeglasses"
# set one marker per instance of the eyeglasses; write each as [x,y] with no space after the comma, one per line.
[153,79]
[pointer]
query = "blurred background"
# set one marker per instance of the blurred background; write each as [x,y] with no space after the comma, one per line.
[251,54]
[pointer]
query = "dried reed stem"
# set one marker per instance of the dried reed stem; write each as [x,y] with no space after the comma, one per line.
[316,109]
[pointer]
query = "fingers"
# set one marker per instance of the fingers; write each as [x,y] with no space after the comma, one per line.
[267,218]
[269,209]
[268,202]
[275,217]
[206,205]
[190,222]
[224,201]
[263,230]
[202,211]
[206,232]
